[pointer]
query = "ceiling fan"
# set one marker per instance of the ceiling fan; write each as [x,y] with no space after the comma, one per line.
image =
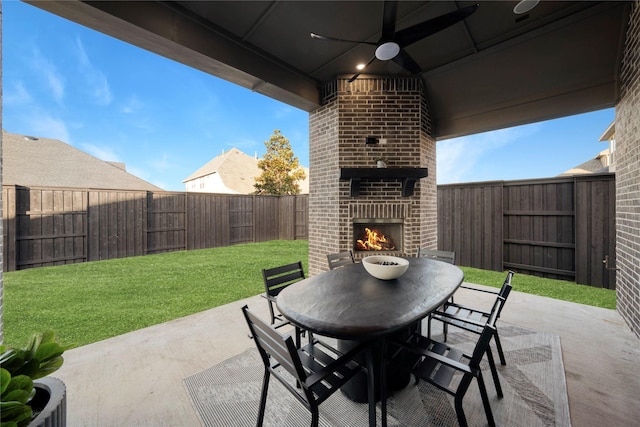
[391,44]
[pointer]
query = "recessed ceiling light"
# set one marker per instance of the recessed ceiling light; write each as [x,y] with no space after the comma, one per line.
[525,6]
[360,66]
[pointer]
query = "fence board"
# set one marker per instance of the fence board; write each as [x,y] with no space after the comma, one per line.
[468,223]
[268,210]
[595,231]
[558,228]
[112,223]
[48,227]
[543,238]
[166,222]
[241,225]
[9,230]
[301,218]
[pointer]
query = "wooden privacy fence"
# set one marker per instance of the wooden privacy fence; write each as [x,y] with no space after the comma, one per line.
[558,228]
[45,226]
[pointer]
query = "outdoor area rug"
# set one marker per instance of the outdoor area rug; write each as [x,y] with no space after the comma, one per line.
[533,382]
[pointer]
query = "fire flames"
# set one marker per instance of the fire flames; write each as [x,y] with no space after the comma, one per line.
[374,242]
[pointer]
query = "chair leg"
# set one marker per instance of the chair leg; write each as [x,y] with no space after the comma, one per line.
[371,386]
[273,314]
[315,416]
[383,386]
[485,400]
[263,398]
[494,373]
[462,420]
[499,347]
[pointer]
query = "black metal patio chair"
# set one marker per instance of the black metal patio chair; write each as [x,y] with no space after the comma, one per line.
[340,259]
[438,364]
[470,318]
[446,256]
[311,373]
[278,278]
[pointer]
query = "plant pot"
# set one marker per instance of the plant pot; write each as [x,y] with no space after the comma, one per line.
[49,404]
[381,164]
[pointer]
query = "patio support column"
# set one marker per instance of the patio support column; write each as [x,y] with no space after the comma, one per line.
[394,111]
[628,178]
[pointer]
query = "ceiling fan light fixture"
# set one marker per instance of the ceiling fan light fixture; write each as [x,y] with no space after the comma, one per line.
[387,51]
[525,6]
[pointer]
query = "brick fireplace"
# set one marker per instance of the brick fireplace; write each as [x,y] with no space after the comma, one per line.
[370,118]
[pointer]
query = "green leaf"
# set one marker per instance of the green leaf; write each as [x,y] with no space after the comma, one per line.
[20,389]
[5,379]
[48,351]
[14,414]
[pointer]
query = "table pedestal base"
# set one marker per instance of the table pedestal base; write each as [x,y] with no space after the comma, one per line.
[356,388]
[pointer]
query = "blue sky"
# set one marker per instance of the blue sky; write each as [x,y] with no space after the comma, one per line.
[165,120]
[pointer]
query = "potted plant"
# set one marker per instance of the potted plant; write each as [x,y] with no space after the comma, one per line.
[25,401]
[381,162]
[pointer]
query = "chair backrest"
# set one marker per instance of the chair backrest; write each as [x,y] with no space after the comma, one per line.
[505,290]
[273,346]
[446,256]
[482,345]
[278,278]
[339,259]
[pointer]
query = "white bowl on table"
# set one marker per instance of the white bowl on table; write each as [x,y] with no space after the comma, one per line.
[385,267]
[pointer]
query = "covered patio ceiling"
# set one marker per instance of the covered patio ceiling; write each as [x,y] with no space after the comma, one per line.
[493,70]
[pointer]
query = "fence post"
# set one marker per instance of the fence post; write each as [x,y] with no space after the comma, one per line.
[9,227]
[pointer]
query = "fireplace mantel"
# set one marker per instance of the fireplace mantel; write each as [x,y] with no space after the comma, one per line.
[409,176]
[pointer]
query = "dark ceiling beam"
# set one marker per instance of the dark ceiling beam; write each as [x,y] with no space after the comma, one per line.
[173,34]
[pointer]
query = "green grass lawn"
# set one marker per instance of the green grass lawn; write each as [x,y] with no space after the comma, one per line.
[89,302]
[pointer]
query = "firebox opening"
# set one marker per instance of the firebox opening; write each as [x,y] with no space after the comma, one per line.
[377,235]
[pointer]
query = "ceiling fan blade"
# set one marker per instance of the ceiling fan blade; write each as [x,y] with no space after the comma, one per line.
[425,29]
[407,62]
[333,39]
[389,20]
[355,76]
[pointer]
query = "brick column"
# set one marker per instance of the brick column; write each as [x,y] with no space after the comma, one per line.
[394,109]
[628,178]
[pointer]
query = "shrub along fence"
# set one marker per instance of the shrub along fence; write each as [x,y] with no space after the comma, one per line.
[53,226]
[559,227]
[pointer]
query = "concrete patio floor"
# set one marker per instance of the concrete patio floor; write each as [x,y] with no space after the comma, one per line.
[136,379]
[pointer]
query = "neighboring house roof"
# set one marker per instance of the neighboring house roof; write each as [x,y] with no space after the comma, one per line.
[236,169]
[43,162]
[596,165]
[238,172]
[609,133]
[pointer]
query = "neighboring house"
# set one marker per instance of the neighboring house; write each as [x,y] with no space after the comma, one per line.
[609,136]
[42,162]
[603,162]
[232,172]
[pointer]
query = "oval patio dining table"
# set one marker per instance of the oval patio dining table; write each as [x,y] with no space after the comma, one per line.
[349,304]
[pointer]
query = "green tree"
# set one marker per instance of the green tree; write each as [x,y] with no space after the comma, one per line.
[280,168]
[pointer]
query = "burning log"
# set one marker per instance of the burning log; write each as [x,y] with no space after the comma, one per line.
[374,242]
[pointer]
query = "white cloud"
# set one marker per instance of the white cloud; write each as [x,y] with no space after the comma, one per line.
[457,158]
[96,81]
[48,71]
[42,124]
[244,144]
[105,153]
[16,94]
[162,163]
[282,111]
[132,105]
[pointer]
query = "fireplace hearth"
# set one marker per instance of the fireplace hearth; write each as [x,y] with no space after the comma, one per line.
[377,235]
